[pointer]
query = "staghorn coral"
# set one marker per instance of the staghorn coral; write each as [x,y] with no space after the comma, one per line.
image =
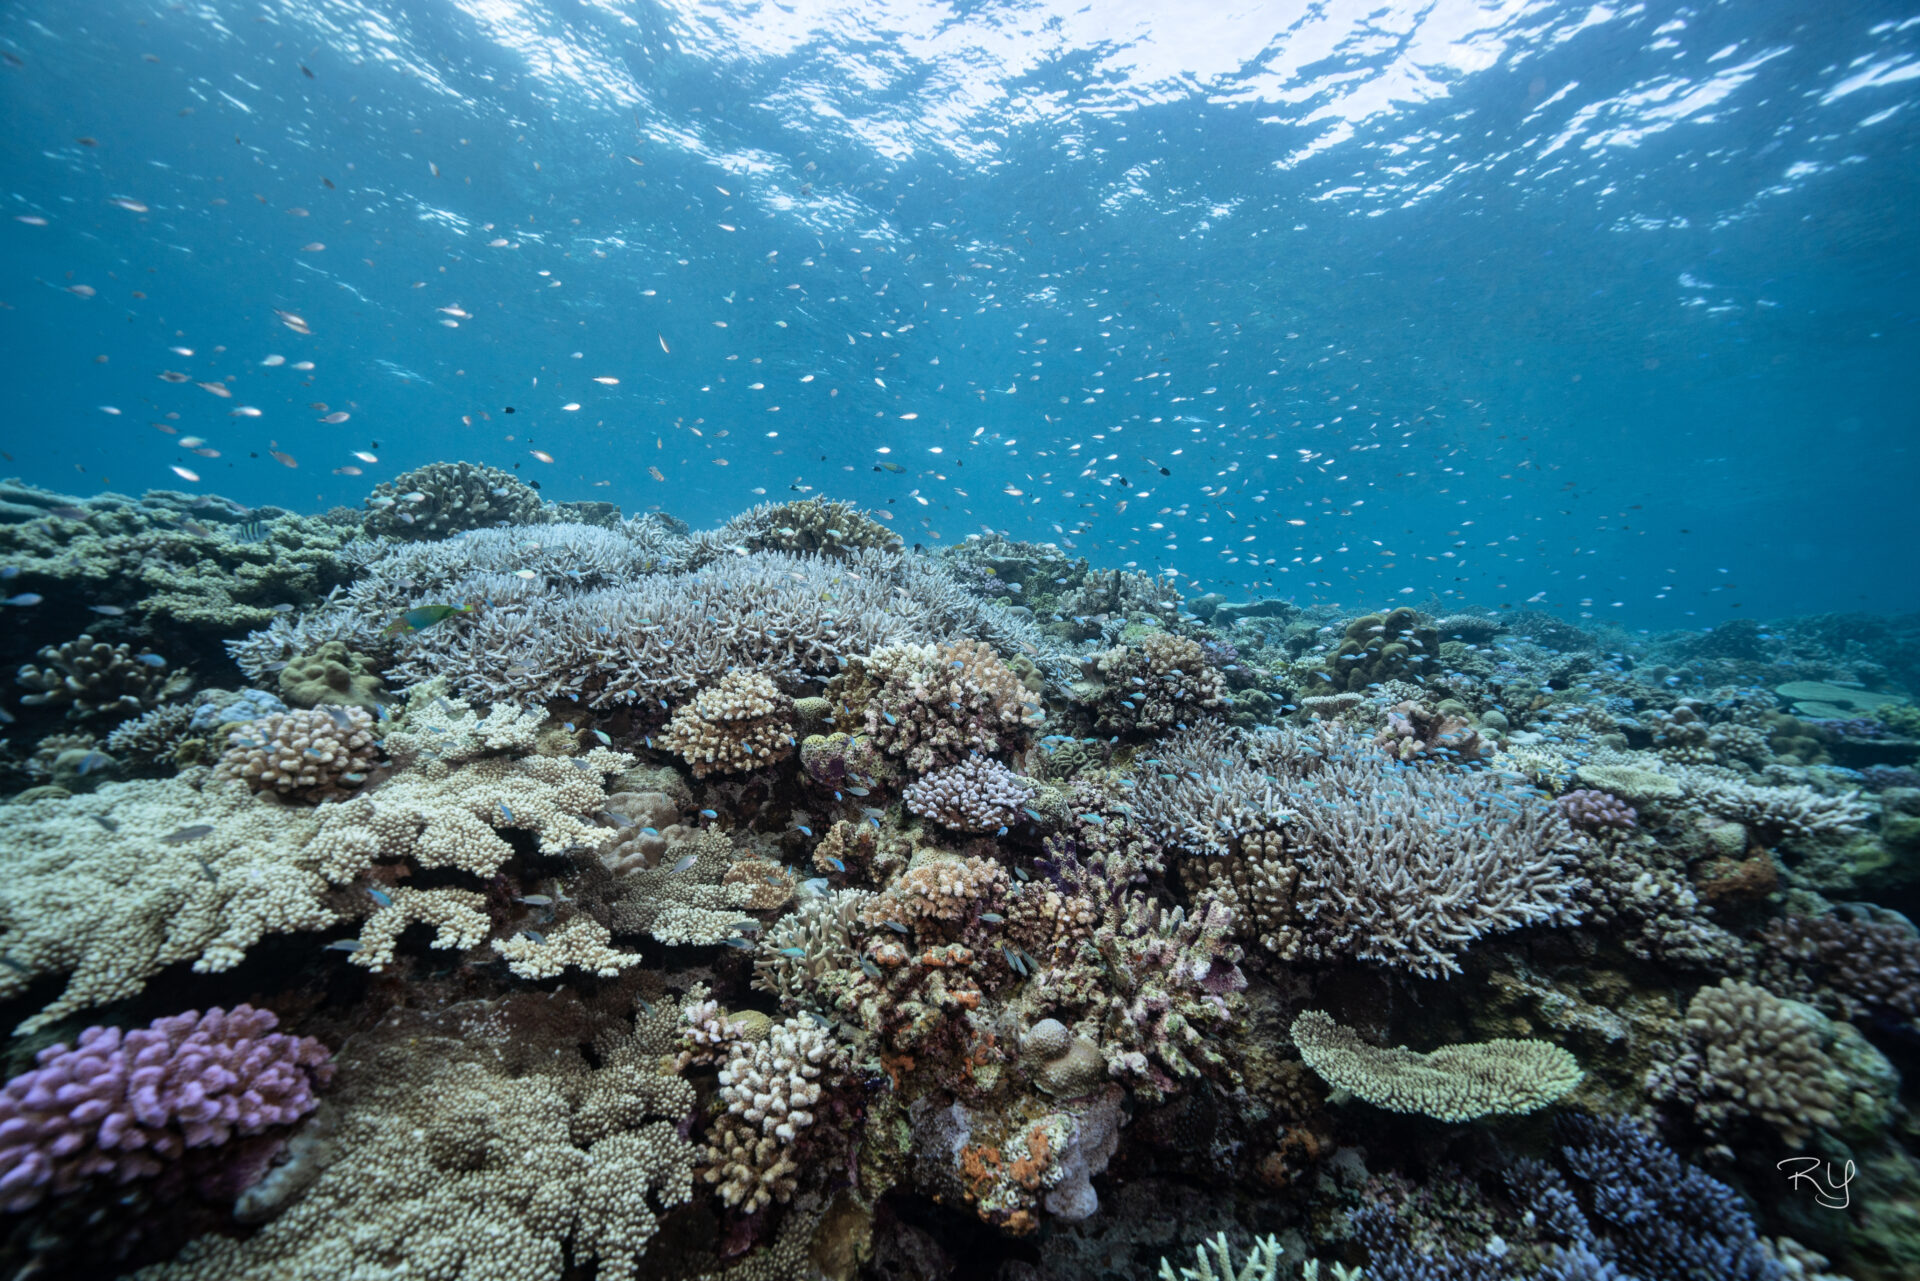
[477,1141]
[742,723]
[1752,1053]
[768,1089]
[331,674]
[977,795]
[153,737]
[1453,1083]
[97,681]
[934,705]
[1164,682]
[448,498]
[609,619]
[126,1104]
[317,755]
[818,526]
[1796,813]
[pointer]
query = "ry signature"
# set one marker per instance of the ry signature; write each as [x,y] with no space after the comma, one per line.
[1821,1192]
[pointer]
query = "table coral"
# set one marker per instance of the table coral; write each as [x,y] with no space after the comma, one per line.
[125,1104]
[742,723]
[582,943]
[1453,1083]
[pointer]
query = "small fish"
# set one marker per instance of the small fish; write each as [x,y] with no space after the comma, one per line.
[803,829]
[735,941]
[896,468]
[105,822]
[896,927]
[111,611]
[748,926]
[604,737]
[992,918]
[541,454]
[186,834]
[24,598]
[836,864]
[342,945]
[381,897]
[337,416]
[709,814]
[858,791]
[93,762]
[796,953]
[868,968]
[421,617]
[536,936]
[535,900]
[150,660]
[686,861]
[505,810]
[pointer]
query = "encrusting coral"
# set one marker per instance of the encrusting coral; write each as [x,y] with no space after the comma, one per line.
[1453,1083]
[742,723]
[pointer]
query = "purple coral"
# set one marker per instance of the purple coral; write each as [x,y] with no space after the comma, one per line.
[977,795]
[127,1103]
[1595,810]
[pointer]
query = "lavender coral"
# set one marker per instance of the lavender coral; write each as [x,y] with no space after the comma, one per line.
[125,1104]
[977,795]
[1597,810]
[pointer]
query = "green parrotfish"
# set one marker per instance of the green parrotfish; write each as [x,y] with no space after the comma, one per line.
[421,617]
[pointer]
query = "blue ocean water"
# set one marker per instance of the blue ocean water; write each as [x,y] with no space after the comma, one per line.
[1609,309]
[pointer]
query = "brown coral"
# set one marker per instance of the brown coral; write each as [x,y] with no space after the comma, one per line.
[936,704]
[315,755]
[743,723]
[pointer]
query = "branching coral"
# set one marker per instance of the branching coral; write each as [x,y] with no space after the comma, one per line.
[582,943]
[742,723]
[1453,1083]
[1596,810]
[1165,681]
[696,904]
[446,498]
[1755,1054]
[938,887]
[315,755]
[1796,812]
[935,705]
[808,943]
[126,1104]
[977,795]
[97,681]
[1856,966]
[768,1089]
[820,526]
[479,1142]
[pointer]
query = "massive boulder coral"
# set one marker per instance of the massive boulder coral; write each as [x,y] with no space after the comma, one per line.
[94,680]
[479,1141]
[1378,648]
[321,754]
[743,723]
[441,499]
[331,674]
[127,1104]
[1453,1083]
[937,704]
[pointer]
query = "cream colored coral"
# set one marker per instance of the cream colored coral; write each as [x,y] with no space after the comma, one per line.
[938,887]
[938,703]
[477,1143]
[582,943]
[743,723]
[90,887]
[692,906]
[769,1088]
[452,817]
[449,730]
[459,919]
[1453,1083]
[312,754]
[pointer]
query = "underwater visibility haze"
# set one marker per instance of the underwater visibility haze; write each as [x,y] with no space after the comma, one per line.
[941,640]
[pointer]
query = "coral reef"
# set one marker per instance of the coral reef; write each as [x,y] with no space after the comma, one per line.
[124,1104]
[1163,682]
[331,674]
[1856,966]
[1596,810]
[935,705]
[1454,1083]
[818,526]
